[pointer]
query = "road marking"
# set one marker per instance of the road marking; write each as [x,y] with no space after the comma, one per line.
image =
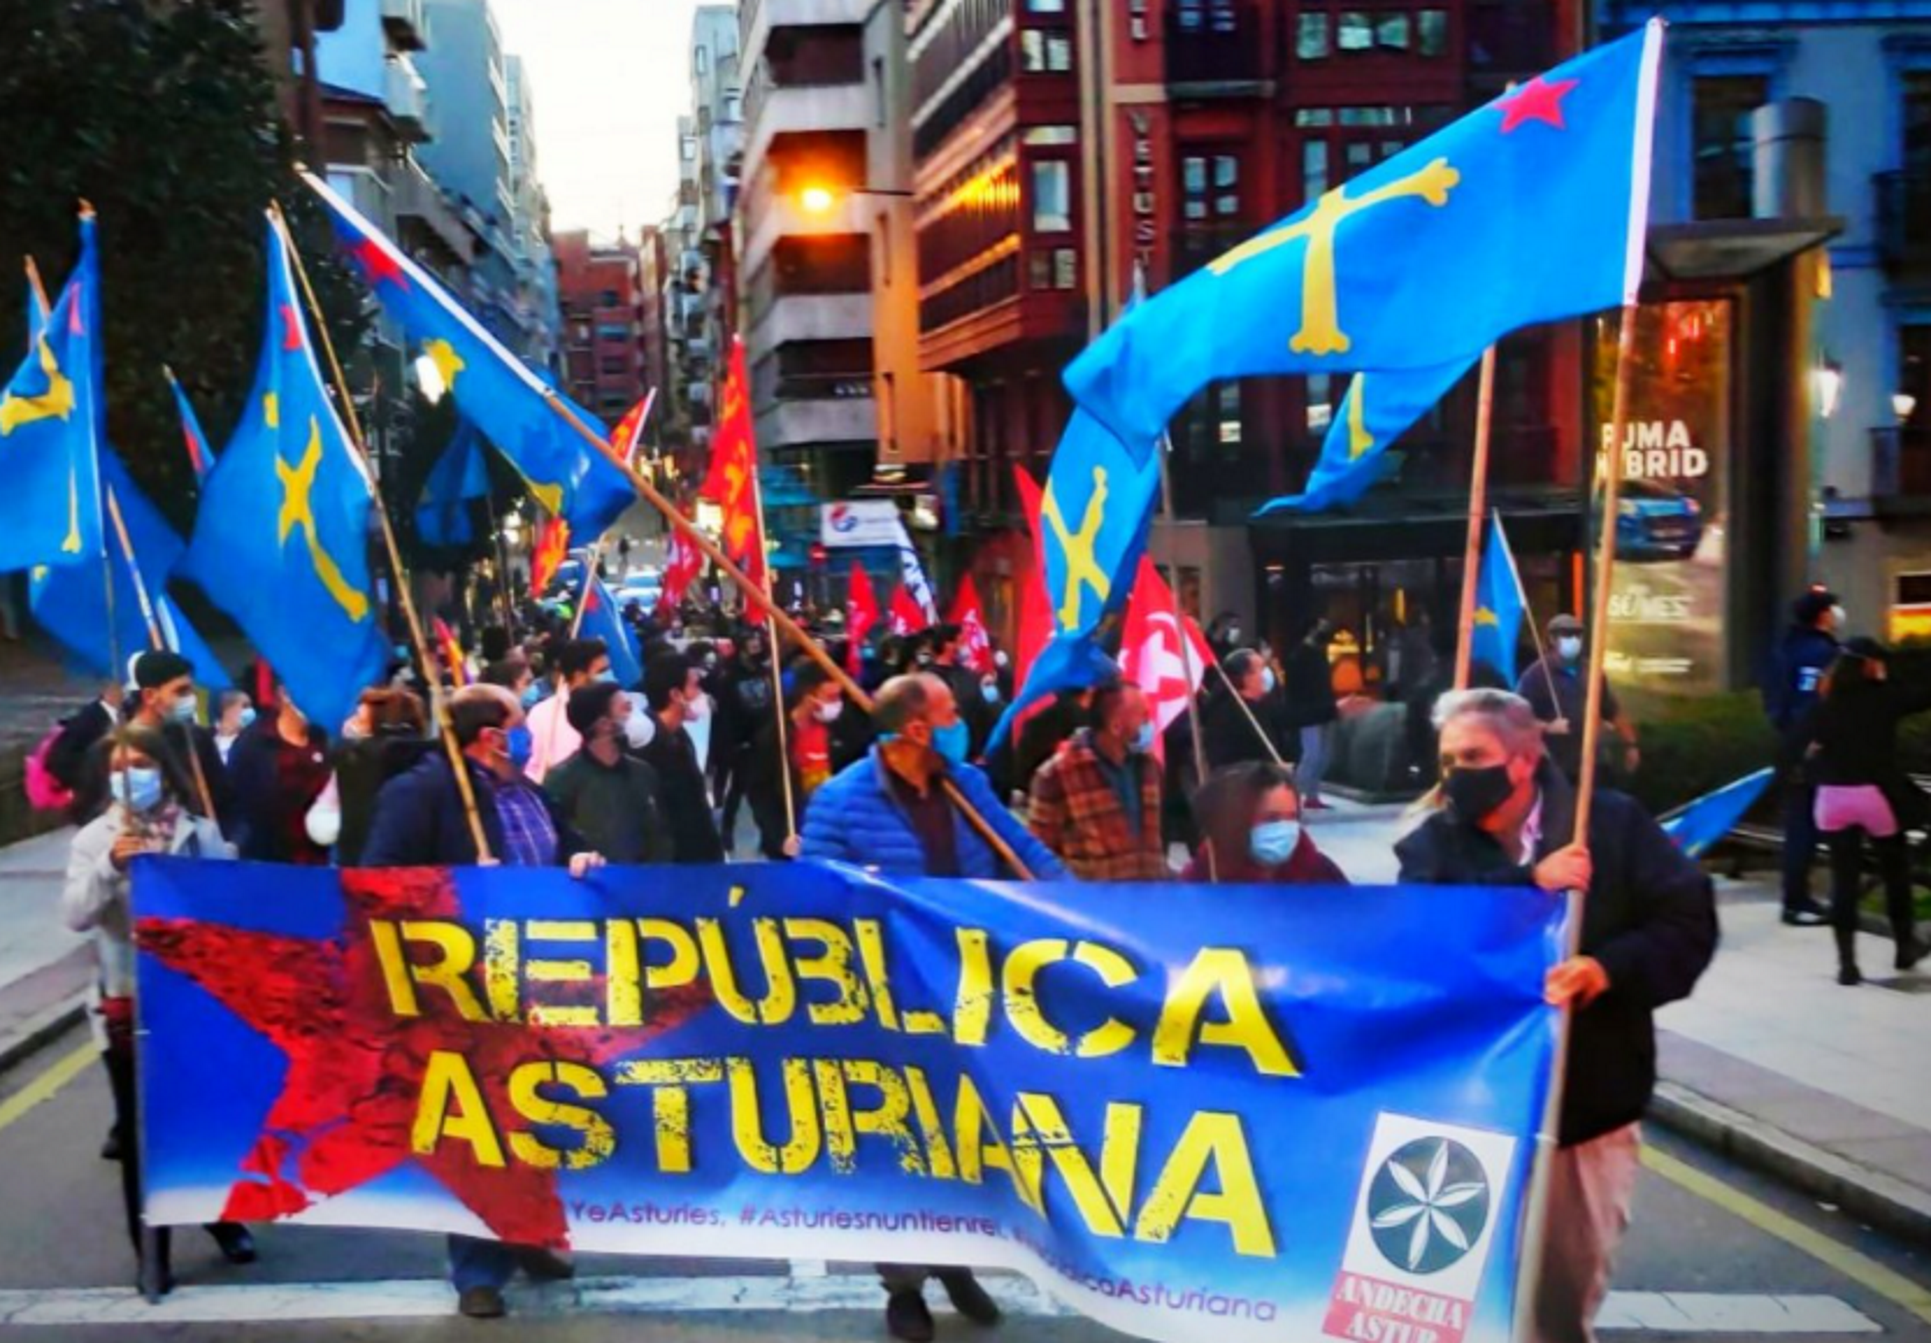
[1859,1268]
[1718,1313]
[46,1086]
[424,1298]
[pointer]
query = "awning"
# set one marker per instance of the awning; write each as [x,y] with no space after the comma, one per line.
[1732,249]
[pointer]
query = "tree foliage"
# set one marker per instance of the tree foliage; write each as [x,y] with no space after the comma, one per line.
[166,118]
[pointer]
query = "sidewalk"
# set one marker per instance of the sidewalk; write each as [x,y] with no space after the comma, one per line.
[44,969]
[1771,1060]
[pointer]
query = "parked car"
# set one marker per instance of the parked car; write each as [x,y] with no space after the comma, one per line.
[1657,523]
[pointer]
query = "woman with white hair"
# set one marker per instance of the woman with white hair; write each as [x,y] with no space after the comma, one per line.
[1505,816]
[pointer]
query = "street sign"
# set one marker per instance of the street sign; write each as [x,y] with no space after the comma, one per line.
[860,522]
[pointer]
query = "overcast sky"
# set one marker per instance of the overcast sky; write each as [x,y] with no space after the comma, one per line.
[611,79]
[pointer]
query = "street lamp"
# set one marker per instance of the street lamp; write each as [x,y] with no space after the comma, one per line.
[821,200]
[429,377]
[1903,404]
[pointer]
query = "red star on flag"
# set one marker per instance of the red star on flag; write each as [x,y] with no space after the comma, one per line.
[1537,100]
[355,1071]
[378,265]
[291,328]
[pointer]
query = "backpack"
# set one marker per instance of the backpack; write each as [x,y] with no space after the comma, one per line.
[44,791]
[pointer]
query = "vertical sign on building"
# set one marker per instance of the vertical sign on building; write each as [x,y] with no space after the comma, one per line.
[1667,607]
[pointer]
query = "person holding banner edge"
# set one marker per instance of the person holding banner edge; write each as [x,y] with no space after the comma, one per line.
[420,823]
[888,812]
[1504,815]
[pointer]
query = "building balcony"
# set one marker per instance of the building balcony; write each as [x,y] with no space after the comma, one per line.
[404,98]
[402,22]
[797,424]
[1904,218]
[807,110]
[1901,467]
[426,220]
[1216,52]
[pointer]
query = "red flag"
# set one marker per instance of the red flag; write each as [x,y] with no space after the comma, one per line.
[1035,608]
[975,645]
[907,616]
[451,653]
[1151,655]
[547,556]
[628,436]
[861,616]
[681,568]
[732,482]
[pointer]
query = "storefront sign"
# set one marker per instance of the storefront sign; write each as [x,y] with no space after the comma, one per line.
[1666,609]
[860,522]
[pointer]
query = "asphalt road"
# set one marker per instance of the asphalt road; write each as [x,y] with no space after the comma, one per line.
[1733,1249]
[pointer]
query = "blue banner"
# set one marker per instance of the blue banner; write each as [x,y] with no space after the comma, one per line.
[1280,1112]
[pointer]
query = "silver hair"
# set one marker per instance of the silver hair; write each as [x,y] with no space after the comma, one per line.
[1508,716]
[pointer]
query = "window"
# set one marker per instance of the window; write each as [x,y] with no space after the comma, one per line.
[1209,186]
[1059,53]
[1356,32]
[1046,6]
[1052,196]
[1032,51]
[687,148]
[1320,402]
[1917,121]
[1227,396]
[1049,136]
[1431,32]
[1360,156]
[878,92]
[1313,42]
[613,367]
[1065,268]
[612,331]
[1314,169]
[1391,32]
[1721,122]
[701,59]
[733,105]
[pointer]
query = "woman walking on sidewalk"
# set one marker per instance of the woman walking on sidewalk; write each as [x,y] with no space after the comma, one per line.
[148,814]
[1850,739]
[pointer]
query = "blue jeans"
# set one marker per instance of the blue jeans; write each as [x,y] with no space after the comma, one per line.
[1313,766]
[480,1263]
[1799,840]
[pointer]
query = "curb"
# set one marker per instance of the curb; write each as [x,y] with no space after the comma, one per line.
[1886,1203]
[42,1028]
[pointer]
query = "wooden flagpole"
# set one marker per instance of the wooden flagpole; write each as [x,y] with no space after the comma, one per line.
[445,728]
[1477,512]
[1611,470]
[781,619]
[590,570]
[777,674]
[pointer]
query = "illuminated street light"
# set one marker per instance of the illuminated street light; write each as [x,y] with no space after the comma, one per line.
[822,200]
[430,379]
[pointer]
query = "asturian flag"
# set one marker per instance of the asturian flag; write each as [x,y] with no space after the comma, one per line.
[281,541]
[1530,209]
[1376,411]
[1152,655]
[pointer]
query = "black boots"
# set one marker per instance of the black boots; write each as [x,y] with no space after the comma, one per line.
[1847,972]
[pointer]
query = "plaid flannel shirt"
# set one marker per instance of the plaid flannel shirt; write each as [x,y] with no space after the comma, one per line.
[1077,814]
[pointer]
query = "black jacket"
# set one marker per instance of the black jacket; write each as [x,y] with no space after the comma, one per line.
[420,821]
[1854,733]
[1230,739]
[1649,918]
[362,766]
[687,800]
[617,808]
[1310,687]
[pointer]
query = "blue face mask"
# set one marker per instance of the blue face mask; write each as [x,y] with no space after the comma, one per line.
[952,742]
[1143,739]
[532,694]
[606,677]
[137,789]
[245,719]
[519,742]
[1272,842]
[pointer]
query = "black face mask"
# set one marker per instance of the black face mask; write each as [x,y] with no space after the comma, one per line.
[1476,793]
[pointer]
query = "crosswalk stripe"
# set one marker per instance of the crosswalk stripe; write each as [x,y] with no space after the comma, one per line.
[421,1298]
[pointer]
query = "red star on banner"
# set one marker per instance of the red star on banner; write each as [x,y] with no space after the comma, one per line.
[291,328]
[355,1070]
[1537,100]
[378,265]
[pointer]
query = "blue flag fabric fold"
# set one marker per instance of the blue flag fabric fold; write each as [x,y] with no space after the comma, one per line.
[1527,210]
[459,476]
[1377,410]
[602,620]
[1095,513]
[1708,819]
[1498,605]
[50,430]
[70,603]
[282,539]
[498,393]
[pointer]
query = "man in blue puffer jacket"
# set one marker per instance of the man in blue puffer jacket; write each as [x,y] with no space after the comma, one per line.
[888,812]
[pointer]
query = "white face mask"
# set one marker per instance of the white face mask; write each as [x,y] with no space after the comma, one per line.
[640,729]
[1268,680]
[1569,648]
[828,712]
[697,708]
[1838,616]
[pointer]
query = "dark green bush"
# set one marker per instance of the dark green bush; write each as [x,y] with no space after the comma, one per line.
[1692,746]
